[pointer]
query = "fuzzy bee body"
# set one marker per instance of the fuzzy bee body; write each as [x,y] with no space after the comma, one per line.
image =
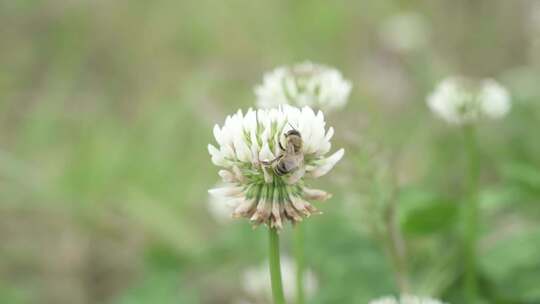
[291,157]
[287,165]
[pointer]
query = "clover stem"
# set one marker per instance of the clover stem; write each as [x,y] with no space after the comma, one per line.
[470,213]
[300,262]
[275,266]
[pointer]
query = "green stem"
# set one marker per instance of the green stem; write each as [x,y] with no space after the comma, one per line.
[470,213]
[396,248]
[397,244]
[275,266]
[300,262]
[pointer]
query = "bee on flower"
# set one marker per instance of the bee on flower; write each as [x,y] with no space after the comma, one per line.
[266,156]
[304,84]
[462,101]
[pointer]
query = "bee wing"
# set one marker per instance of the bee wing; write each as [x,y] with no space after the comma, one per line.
[291,162]
[297,174]
[290,149]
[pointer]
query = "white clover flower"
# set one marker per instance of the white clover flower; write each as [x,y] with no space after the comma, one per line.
[261,195]
[404,32]
[256,281]
[461,101]
[405,299]
[304,84]
[494,99]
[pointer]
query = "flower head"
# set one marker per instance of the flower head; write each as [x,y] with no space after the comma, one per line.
[304,84]
[405,299]
[494,99]
[251,146]
[461,101]
[256,280]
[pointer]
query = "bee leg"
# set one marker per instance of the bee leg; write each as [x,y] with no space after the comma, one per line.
[270,162]
[281,147]
[267,163]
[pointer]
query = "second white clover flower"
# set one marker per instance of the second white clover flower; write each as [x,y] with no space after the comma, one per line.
[304,84]
[461,101]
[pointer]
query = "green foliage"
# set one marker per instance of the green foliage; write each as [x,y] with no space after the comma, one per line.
[14,295]
[511,264]
[426,213]
[161,287]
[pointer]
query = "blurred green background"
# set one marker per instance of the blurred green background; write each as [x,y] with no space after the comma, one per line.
[106,109]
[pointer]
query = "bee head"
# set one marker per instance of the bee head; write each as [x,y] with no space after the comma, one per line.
[294,138]
[293,132]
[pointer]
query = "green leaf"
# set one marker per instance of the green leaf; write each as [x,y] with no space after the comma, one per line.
[512,264]
[523,174]
[425,213]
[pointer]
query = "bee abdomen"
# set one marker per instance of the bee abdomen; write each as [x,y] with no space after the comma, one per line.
[280,169]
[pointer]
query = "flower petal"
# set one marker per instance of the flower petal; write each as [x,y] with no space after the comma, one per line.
[245,208]
[217,157]
[315,194]
[229,191]
[325,165]
[227,176]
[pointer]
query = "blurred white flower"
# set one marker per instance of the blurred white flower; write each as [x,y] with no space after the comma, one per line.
[405,299]
[494,99]
[460,101]
[304,84]
[256,281]
[404,32]
[257,191]
[453,102]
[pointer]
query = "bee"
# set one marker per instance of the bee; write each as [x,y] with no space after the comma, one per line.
[291,157]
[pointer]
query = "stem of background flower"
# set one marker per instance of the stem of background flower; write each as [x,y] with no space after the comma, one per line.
[397,250]
[470,213]
[275,266]
[396,241]
[300,262]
